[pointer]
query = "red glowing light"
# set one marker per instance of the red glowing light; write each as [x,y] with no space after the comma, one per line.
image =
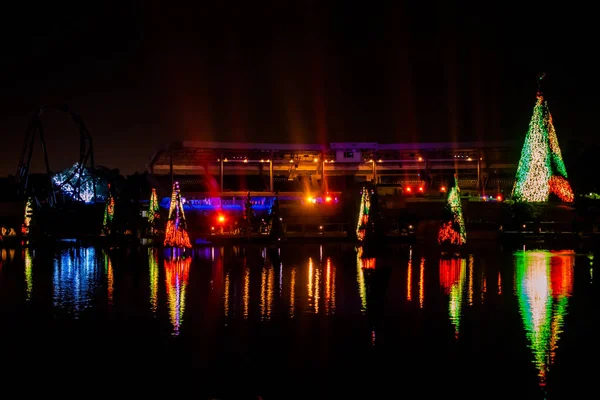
[443,189]
[221,218]
[408,189]
[420,189]
[328,199]
[499,198]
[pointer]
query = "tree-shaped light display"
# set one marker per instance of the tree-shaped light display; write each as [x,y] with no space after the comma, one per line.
[541,169]
[109,212]
[153,210]
[28,217]
[176,234]
[363,214]
[452,229]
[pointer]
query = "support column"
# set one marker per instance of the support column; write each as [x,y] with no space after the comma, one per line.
[221,173]
[374,162]
[323,182]
[479,171]
[271,186]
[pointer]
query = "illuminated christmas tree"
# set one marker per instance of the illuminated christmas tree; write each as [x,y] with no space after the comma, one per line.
[176,234]
[153,210]
[109,212]
[541,169]
[452,229]
[28,216]
[363,214]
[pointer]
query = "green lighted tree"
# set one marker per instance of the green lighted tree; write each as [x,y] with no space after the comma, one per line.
[452,229]
[541,169]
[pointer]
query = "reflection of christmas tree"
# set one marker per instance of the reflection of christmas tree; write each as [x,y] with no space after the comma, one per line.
[153,210]
[28,216]
[363,214]
[109,212]
[544,283]
[177,271]
[541,169]
[176,234]
[452,229]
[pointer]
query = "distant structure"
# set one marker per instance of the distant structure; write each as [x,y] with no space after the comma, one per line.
[222,168]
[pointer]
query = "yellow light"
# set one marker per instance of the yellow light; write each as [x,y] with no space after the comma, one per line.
[420,159]
[268,160]
[225,160]
[245,160]
[316,160]
[262,160]
[291,161]
[380,160]
[469,159]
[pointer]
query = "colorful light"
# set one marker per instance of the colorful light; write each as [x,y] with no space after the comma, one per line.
[363,214]
[453,231]
[541,169]
[68,179]
[176,278]
[544,282]
[176,234]
[153,210]
[109,212]
[28,217]
[453,276]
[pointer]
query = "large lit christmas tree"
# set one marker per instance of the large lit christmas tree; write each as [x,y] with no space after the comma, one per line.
[176,234]
[363,214]
[153,210]
[109,212]
[541,169]
[452,229]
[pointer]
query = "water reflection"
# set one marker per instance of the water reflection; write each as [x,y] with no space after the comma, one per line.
[267,281]
[176,278]
[75,279]
[422,283]
[108,271]
[453,276]
[360,278]
[28,260]
[153,272]
[544,283]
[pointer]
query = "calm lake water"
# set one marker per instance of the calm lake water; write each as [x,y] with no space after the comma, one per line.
[301,321]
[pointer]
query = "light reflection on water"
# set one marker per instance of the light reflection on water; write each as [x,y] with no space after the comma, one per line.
[250,287]
[544,283]
[75,280]
[177,271]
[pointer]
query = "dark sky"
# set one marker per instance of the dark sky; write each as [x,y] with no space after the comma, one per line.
[143,74]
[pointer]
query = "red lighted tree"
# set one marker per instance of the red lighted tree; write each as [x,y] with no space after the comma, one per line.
[176,234]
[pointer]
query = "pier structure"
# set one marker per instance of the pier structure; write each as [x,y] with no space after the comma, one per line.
[222,168]
[318,184]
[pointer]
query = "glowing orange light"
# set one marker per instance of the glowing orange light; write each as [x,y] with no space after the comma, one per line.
[408,189]
[420,189]
[221,218]
[420,158]
[443,189]
[328,199]
[499,198]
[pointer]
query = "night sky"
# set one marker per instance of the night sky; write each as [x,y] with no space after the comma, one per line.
[144,74]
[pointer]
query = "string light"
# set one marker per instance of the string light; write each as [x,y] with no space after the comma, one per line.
[363,214]
[109,212]
[176,234]
[153,210]
[28,216]
[541,169]
[453,231]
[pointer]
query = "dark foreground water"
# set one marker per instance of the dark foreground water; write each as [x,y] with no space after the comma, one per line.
[302,321]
